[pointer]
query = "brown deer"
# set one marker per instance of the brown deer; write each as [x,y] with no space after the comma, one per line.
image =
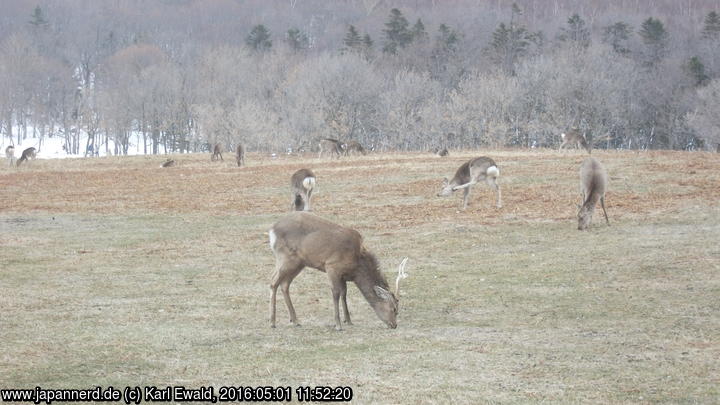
[593,183]
[471,173]
[10,154]
[354,146]
[168,163]
[302,183]
[27,154]
[442,152]
[574,137]
[217,152]
[302,240]
[331,146]
[240,155]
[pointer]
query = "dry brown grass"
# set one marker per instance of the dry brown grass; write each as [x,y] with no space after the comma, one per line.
[118,272]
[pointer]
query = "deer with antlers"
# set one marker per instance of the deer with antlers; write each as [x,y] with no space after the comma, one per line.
[574,137]
[304,240]
[471,173]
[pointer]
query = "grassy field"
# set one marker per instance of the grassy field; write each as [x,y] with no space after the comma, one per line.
[114,271]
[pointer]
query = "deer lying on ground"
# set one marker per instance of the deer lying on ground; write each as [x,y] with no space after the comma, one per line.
[10,154]
[331,146]
[168,163]
[304,240]
[27,154]
[574,137]
[593,183]
[217,152]
[441,152]
[302,183]
[354,146]
[240,155]
[470,173]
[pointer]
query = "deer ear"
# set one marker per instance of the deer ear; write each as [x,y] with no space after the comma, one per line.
[382,293]
[445,181]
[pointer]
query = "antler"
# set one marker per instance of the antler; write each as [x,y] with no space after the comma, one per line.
[401,275]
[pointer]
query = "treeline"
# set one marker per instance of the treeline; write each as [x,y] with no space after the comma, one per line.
[402,75]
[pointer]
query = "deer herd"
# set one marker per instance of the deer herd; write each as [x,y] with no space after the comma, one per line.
[302,239]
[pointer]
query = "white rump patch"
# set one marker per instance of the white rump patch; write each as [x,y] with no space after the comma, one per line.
[493,171]
[309,183]
[273,239]
[562,135]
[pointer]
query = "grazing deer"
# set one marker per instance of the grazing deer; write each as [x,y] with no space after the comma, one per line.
[354,146]
[168,163]
[27,154]
[471,173]
[302,183]
[441,152]
[574,137]
[593,183]
[10,154]
[240,155]
[217,152]
[331,146]
[304,240]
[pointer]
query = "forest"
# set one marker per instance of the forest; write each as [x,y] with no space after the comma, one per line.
[277,76]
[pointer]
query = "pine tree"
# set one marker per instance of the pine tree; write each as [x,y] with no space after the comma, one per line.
[38,18]
[397,34]
[696,69]
[367,41]
[509,43]
[617,35]
[711,30]
[447,39]
[576,31]
[259,38]
[352,38]
[655,38]
[418,31]
[296,39]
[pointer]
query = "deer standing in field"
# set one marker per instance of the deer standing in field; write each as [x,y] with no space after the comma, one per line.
[331,146]
[240,155]
[593,183]
[10,154]
[304,240]
[27,154]
[217,152]
[354,146]
[574,137]
[470,173]
[302,183]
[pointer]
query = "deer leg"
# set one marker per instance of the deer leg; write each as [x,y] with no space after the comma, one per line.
[466,185]
[284,274]
[492,182]
[337,290]
[343,296]
[466,194]
[307,203]
[602,203]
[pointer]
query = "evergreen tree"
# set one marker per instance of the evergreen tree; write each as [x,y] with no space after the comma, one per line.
[296,39]
[367,42]
[576,31]
[696,69]
[418,31]
[352,38]
[447,39]
[509,43]
[397,34]
[711,30]
[259,38]
[617,35]
[37,18]
[655,38]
